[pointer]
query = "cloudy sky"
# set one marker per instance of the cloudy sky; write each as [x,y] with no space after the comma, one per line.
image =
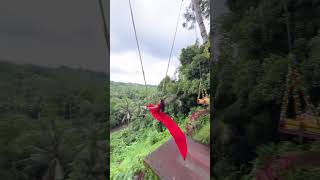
[155,22]
[53,33]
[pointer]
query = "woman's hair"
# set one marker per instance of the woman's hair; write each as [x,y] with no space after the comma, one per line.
[162,105]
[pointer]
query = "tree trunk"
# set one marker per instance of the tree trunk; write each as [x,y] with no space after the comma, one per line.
[218,8]
[203,31]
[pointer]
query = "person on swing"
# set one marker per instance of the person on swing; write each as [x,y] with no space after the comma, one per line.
[160,107]
[164,120]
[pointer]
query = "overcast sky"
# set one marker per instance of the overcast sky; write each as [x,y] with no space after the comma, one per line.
[53,33]
[155,22]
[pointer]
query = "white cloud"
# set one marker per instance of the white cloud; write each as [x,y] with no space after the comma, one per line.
[155,23]
[125,67]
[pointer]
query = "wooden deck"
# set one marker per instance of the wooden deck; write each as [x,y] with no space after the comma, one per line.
[167,163]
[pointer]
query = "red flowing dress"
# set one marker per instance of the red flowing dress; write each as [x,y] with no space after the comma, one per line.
[177,134]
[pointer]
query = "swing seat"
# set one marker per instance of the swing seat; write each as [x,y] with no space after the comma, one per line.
[305,125]
[204,101]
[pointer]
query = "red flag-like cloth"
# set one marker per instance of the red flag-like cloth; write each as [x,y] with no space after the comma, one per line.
[177,134]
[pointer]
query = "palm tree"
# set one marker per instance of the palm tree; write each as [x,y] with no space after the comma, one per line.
[91,160]
[126,111]
[50,154]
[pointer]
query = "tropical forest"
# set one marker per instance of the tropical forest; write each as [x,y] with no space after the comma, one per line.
[265,90]
[53,123]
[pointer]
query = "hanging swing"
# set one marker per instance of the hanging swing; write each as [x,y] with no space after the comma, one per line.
[203,97]
[298,115]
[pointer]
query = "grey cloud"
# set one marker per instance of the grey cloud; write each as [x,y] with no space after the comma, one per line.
[53,33]
[117,70]
[122,33]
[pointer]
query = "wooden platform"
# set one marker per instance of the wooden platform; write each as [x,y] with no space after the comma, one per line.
[167,163]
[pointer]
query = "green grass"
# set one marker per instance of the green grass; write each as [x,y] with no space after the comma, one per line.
[203,135]
[128,149]
[202,132]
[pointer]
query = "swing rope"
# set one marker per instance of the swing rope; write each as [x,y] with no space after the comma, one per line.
[196,42]
[199,92]
[105,28]
[174,38]
[135,33]
[137,42]
[202,92]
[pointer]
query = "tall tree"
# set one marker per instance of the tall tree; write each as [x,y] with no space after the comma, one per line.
[219,9]
[196,12]
[199,19]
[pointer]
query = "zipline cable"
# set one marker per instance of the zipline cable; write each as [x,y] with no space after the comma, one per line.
[174,38]
[135,33]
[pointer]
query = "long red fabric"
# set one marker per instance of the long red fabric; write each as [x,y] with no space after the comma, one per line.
[177,134]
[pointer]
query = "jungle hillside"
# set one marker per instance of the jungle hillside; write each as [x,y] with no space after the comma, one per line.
[53,123]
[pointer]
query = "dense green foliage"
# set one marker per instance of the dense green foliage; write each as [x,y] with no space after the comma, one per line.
[138,135]
[126,101]
[52,123]
[249,78]
[182,93]
[128,149]
[203,133]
